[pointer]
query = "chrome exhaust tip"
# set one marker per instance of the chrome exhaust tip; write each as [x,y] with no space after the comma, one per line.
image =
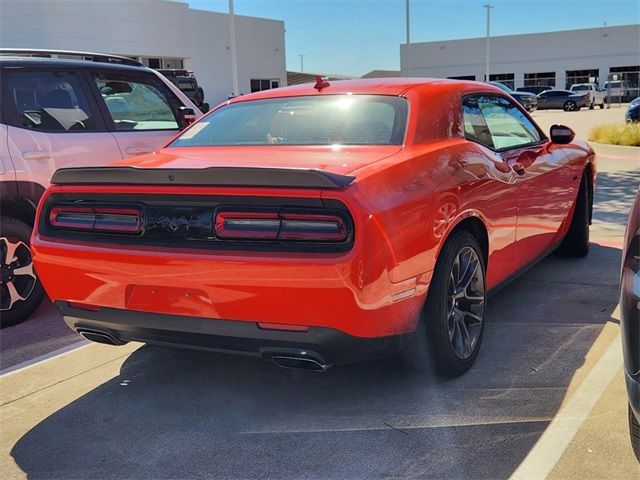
[299,363]
[99,337]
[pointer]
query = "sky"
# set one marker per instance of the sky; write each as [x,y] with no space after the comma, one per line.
[353,37]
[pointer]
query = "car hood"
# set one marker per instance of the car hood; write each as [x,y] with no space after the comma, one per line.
[337,159]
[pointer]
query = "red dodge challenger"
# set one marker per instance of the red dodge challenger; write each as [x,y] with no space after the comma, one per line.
[318,224]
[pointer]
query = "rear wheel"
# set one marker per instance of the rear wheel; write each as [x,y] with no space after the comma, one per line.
[593,105]
[450,331]
[576,242]
[634,431]
[570,106]
[20,288]
[199,97]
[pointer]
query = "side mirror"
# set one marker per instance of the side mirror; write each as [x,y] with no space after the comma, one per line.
[186,116]
[561,134]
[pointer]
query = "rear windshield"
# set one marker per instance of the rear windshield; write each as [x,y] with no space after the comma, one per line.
[318,120]
[580,87]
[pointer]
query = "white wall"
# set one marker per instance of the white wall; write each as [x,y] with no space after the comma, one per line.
[592,48]
[155,28]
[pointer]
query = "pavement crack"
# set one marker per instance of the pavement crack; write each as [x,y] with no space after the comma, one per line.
[395,428]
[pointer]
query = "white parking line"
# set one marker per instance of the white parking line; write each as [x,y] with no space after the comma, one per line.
[546,453]
[43,358]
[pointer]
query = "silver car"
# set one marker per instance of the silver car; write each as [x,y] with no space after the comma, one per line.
[565,99]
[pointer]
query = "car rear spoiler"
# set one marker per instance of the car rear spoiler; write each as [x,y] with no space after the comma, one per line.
[212,176]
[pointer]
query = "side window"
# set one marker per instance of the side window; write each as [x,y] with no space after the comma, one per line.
[137,102]
[49,101]
[475,127]
[506,124]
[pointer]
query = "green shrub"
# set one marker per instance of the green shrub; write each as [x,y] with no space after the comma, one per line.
[617,134]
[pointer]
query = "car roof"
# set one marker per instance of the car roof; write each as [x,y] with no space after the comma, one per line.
[361,86]
[13,61]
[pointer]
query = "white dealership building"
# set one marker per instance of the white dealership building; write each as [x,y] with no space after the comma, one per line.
[556,59]
[160,33]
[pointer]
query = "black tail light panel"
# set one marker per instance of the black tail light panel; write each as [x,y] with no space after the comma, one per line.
[90,217]
[212,223]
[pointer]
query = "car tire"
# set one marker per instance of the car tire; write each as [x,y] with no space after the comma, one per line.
[449,333]
[199,97]
[634,433]
[570,106]
[593,105]
[602,105]
[576,241]
[22,293]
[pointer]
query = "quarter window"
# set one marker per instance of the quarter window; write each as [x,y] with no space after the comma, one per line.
[497,123]
[137,102]
[51,101]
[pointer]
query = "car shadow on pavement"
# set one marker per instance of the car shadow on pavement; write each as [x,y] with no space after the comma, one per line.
[174,413]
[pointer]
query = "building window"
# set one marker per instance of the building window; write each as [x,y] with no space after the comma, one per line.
[544,79]
[507,79]
[463,77]
[581,76]
[631,75]
[257,85]
[164,63]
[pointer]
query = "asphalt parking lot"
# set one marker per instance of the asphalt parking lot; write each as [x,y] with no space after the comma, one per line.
[545,399]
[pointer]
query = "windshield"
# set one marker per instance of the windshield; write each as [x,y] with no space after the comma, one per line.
[317,120]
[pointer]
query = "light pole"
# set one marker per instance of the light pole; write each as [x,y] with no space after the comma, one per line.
[232,46]
[486,65]
[408,27]
[301,55]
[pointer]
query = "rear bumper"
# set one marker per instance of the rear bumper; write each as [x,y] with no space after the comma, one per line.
[324,345]
[329,291]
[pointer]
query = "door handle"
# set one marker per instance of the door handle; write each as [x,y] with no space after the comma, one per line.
[518,168]
[139,150]
[37,155]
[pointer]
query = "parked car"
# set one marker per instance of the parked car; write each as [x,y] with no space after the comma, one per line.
[63,112]
[186,81]
[616,90]
[596,95]
[564,99]
[318,224]
[528,100]
[633,111]
[630,319]
[535,90]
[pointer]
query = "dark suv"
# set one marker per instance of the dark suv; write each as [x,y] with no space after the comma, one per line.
[186,81]
[630,319]
[528,100]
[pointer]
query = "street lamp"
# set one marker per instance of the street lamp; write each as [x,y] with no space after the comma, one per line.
[486,65]
[301,55]
[232,46]
[408,27]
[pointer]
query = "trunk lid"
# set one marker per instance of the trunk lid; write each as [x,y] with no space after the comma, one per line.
[338,159]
